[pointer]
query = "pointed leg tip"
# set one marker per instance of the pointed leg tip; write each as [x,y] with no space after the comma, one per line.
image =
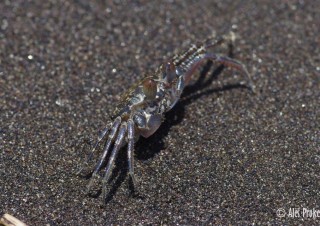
[134,181]
[80,170]
[93,179]
[232,36]
[104,192]
[253,88]
[89,188]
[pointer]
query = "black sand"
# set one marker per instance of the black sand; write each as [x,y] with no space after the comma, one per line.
[222,156]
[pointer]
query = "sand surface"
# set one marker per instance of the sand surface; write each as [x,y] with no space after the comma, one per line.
[223,155]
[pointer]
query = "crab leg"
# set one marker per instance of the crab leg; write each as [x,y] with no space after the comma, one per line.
[178,91]
[130,151]
[116,147]
[226,61]
[100,137]
[112,135]
[216,41]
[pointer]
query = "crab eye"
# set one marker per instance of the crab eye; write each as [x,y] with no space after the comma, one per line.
[169,72]
[149,87]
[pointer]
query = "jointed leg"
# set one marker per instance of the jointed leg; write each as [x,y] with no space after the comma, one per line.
[116,147]
[130,151]
[232,63]
[100,137]
[216,41]
[178,91]
[226,61]
[112,135]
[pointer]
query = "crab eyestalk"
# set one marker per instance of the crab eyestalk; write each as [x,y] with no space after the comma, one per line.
[169,72]
[149,88]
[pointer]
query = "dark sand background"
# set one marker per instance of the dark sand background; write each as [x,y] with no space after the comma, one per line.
[222,156]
